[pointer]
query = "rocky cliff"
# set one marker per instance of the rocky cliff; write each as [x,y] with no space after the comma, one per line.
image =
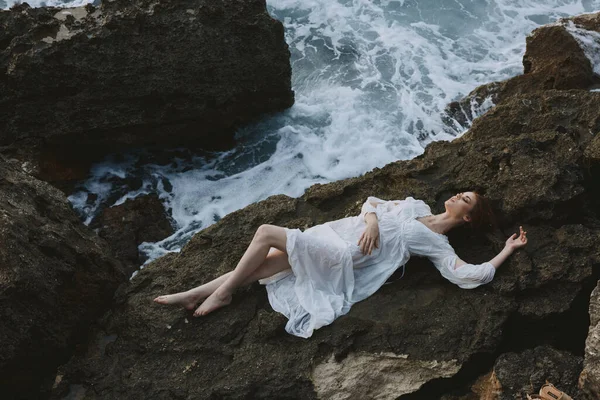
[56,278]
[534,155]
[76,84]
[80,82]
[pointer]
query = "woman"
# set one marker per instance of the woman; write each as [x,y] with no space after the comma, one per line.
[315,276]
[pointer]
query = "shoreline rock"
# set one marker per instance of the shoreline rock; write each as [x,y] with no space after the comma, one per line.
[56,278]
[126,226]
[589,380]
[553,59]
[530,155]
[78,83]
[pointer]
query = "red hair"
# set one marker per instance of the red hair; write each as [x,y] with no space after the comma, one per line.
[482,215]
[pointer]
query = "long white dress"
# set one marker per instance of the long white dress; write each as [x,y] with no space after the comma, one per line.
[329,272]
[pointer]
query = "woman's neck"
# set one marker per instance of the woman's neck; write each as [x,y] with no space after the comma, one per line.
[442,223]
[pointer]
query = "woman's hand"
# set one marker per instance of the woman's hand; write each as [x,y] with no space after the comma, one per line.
[514,242]
[369,239]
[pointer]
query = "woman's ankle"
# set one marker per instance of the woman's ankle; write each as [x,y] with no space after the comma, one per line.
[223,292]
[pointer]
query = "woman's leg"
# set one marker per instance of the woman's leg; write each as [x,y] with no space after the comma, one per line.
[266,236]
[275,262]
[190,298]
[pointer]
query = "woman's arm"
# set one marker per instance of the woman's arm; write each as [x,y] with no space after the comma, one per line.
[512,243]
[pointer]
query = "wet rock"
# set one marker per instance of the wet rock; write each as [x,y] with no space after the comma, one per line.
[78,83]
[553,60]
[56,278]
[520,374]
[126,226]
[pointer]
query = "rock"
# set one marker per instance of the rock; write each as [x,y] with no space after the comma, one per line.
[56,278]
[376,376]
[527,155]
[78,83]
[554,59]
[592,152]
[530,175]
[520,374]
[126,226]
[589,380]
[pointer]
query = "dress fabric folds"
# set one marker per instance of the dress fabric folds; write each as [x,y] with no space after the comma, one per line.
[329,273]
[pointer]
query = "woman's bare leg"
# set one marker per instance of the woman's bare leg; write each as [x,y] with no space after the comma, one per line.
[275,262]
[266,236]
[190,298]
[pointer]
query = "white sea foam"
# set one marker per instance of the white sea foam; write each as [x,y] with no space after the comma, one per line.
[48,3]
[589,41]
[372,79]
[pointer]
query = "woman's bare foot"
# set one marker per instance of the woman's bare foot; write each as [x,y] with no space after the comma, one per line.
[215,301]
[185,299]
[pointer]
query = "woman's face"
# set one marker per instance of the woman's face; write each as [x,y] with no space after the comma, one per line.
[461,205]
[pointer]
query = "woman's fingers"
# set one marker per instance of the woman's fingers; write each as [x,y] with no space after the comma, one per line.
[365,246]
[367,243]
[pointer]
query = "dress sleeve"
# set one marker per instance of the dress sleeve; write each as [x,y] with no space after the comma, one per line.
[375,205]
[467,276]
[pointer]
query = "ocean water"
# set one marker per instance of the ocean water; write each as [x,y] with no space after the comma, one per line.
[371,78]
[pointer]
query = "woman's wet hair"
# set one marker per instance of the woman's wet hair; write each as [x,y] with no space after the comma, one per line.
[482,215]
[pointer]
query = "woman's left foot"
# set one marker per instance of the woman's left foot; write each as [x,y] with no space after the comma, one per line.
[184,299]
[212,303]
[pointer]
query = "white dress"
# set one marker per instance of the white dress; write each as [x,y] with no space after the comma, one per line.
[329,272]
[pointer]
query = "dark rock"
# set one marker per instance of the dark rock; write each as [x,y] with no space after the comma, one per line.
[79,83]
[553,60]
[56,277]
[528,155]
[531,176]
[520,374]
[126,226]
[589,380]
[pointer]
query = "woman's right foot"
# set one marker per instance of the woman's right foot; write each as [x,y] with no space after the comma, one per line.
[185,299]
[213,302]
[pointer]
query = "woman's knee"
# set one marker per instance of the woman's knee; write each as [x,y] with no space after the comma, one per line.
[264,233]
[271,235]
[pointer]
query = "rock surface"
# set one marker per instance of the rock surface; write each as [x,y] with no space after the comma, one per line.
[78,83]
[56,278]
[530,154]
[126,226]
[589,380]
[520,374]
[388,376]
[553,59]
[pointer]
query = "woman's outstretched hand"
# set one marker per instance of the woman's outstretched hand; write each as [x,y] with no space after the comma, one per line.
[513,243]
[369,239]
